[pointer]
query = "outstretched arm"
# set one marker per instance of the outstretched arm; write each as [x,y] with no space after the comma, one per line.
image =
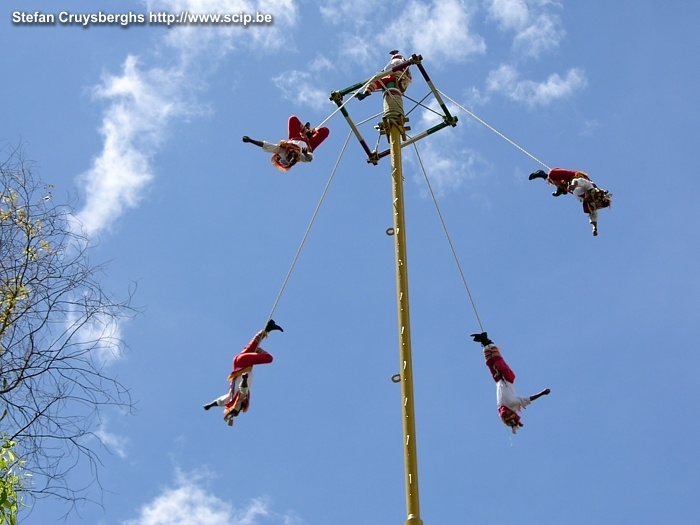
[258,143]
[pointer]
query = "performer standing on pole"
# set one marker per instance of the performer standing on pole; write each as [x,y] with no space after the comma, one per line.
[394,85]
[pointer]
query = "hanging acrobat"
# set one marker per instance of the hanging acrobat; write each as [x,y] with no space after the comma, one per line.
[582,187]
[302,140]
[237,399]
[509,403]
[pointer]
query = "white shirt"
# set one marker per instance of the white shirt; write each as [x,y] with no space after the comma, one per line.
[581,187]
[508,397]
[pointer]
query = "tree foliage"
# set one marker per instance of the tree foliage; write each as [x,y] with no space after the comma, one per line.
[11,483]
[59,330]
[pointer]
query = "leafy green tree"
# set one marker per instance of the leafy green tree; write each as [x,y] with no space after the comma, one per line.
[11,483]
[59,330]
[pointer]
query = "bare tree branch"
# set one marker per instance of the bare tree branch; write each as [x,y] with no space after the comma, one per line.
[59,331]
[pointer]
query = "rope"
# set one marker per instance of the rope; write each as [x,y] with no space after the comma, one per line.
[373,117]
[420,103]
[495,131]
[449,240]
[336,111]
[308,229]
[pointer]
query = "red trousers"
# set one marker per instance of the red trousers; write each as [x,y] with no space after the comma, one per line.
[497,365]
[294,127]
[252,354]
[500,370]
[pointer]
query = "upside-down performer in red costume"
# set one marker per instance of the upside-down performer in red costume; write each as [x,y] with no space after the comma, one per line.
[237,399]
[509,403]
[582,187]
[302,141]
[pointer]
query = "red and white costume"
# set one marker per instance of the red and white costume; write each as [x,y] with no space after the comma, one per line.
[396,82]
[509,403]
[393,85]
[237,399]
[297,148]
[580,185]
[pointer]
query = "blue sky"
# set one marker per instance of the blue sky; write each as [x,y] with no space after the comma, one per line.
[143,124]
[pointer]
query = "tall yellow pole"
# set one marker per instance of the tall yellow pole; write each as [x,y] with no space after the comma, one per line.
[395,130]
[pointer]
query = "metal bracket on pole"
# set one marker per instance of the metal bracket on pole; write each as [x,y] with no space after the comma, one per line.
[374,156]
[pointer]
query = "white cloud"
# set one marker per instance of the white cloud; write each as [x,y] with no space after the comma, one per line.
[301,88]
[537,29]
[509,14]
[502,79]
[505,80]
[446,168]
[321,63]
[306,88]
[438,30]
[190,502]
[357,49]
[542,35]
[474,97]
[113,442]
[340,11]
[144,101]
